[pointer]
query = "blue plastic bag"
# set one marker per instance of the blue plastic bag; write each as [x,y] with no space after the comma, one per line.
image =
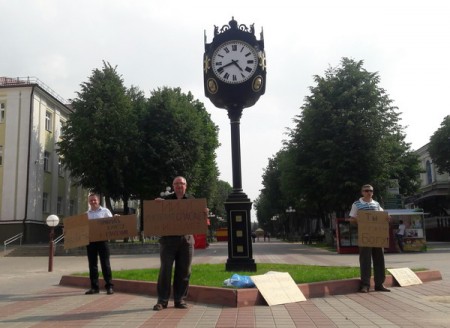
[239,281]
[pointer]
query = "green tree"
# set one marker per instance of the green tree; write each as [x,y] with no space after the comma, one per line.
[439,146]
[348,134]
[98,136]
[177,137]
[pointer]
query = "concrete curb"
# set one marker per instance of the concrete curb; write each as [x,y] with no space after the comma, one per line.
[242,297]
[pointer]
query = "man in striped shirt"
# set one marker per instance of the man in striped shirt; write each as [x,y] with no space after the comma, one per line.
[369,254]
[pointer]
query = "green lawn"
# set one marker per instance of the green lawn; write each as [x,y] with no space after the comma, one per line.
[213,275]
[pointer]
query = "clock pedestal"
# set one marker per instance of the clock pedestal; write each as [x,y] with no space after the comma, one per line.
[238,206]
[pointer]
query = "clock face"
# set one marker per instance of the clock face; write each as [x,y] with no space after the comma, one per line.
[234,62]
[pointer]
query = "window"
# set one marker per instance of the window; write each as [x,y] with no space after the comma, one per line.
[60,167]
[45,205]
[61,128]
[1,155]
[429,174]
[2,111]
[59,206]
[46,161]
[48,121]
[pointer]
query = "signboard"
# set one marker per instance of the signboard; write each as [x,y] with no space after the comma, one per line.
[175,217]
[117,227]
[405,277]
[76,231]
[278,288]
[373,229]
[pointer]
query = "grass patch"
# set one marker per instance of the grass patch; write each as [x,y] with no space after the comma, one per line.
[213,275]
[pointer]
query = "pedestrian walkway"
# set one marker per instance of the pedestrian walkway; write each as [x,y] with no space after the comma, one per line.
[31,297]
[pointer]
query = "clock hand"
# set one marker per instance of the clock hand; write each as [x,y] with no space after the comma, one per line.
[229,64]
[235,62]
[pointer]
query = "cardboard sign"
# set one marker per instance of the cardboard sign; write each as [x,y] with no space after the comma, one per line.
[76,231]
[278,288]
[405,277]
[175,217]
[373,229]
[117,227]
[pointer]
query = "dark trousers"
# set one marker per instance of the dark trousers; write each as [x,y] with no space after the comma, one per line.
[366,255]
[400,241]
[178,250]
[94,250]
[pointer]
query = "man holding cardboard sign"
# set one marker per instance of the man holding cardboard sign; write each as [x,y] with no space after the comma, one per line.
[370,243]
[98,249]
[175,247]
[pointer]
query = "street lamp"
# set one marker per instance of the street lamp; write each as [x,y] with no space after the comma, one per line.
[211,225]
[274,220]
[52,221]
[290,212]
[165,193]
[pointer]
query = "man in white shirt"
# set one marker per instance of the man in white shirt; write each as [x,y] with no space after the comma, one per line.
[98,249]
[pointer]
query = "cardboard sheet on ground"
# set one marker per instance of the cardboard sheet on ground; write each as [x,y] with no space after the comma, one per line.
[405,277]
[76,231]
[175,217]
[278,288]
[117,227]
[373,229]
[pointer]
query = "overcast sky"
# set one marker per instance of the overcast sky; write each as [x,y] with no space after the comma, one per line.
[158,43]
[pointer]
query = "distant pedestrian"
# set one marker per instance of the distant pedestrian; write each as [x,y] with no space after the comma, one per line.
[400,234]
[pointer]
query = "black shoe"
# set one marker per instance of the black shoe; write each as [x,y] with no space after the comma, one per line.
[92,291]
[181,305]
[382,289]
[364,289]
[109,291]
[159,306]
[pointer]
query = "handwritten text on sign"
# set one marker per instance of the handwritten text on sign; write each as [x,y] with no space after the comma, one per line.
[175,217]
[373,229]
[117,227]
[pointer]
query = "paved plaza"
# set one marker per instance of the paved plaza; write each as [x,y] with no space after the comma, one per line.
[30,296]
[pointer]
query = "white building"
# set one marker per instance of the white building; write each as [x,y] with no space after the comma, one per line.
[433,197]
[33,183]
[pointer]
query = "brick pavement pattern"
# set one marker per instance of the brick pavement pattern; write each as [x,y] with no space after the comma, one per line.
[31,297]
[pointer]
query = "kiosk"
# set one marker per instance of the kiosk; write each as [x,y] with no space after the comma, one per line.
[346,237]
[413,241]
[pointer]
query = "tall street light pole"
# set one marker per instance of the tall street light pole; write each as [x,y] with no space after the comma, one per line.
[52,221]
[290,212]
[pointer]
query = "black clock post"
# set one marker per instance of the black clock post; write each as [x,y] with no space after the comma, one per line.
[234,68]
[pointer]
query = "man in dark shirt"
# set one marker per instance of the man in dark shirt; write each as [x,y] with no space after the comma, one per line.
[178,249]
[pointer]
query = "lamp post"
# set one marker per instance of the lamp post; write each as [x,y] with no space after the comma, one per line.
[290,212]
[274,220]
[52,221]
[165,193]
[211,225]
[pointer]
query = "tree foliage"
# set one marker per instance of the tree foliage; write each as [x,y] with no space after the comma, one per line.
[177,138]
[123,145]
[97,137]
[439,146]
[347,134]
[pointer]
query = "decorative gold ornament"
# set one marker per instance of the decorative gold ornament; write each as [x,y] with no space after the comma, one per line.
[257,83]
[206,64]
[212,86]
[262,59]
